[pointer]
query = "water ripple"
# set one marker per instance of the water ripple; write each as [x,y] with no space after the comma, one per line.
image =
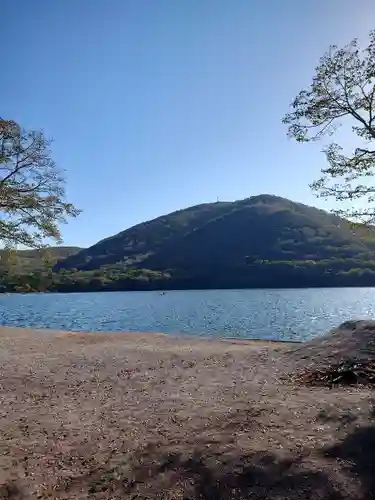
[264,314]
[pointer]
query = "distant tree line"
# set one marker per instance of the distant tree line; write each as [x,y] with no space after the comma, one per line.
[255,274]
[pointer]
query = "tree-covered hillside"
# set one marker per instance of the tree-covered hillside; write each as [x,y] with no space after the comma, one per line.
[262,241]
[32,260]
[132,246]
[216,235]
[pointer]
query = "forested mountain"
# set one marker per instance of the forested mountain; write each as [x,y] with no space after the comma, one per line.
[260,242]
[226,234]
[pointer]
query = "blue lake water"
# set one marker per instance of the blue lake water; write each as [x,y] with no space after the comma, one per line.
[261,314]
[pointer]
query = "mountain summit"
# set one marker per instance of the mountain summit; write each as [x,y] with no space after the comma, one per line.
[212,237]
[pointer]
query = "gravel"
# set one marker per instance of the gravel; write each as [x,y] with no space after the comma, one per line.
[149,416]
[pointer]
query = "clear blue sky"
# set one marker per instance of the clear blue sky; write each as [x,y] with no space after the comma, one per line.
[155,105]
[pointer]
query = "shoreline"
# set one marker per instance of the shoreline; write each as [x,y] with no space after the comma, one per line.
[144,335]
[163,291]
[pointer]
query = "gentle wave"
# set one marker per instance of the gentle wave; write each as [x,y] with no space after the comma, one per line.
[259,314]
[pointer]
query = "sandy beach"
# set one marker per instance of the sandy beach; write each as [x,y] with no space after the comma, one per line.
[118,416]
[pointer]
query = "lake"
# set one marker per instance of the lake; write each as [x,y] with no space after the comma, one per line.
[261,314]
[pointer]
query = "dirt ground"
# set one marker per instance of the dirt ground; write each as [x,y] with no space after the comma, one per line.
[146,416]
